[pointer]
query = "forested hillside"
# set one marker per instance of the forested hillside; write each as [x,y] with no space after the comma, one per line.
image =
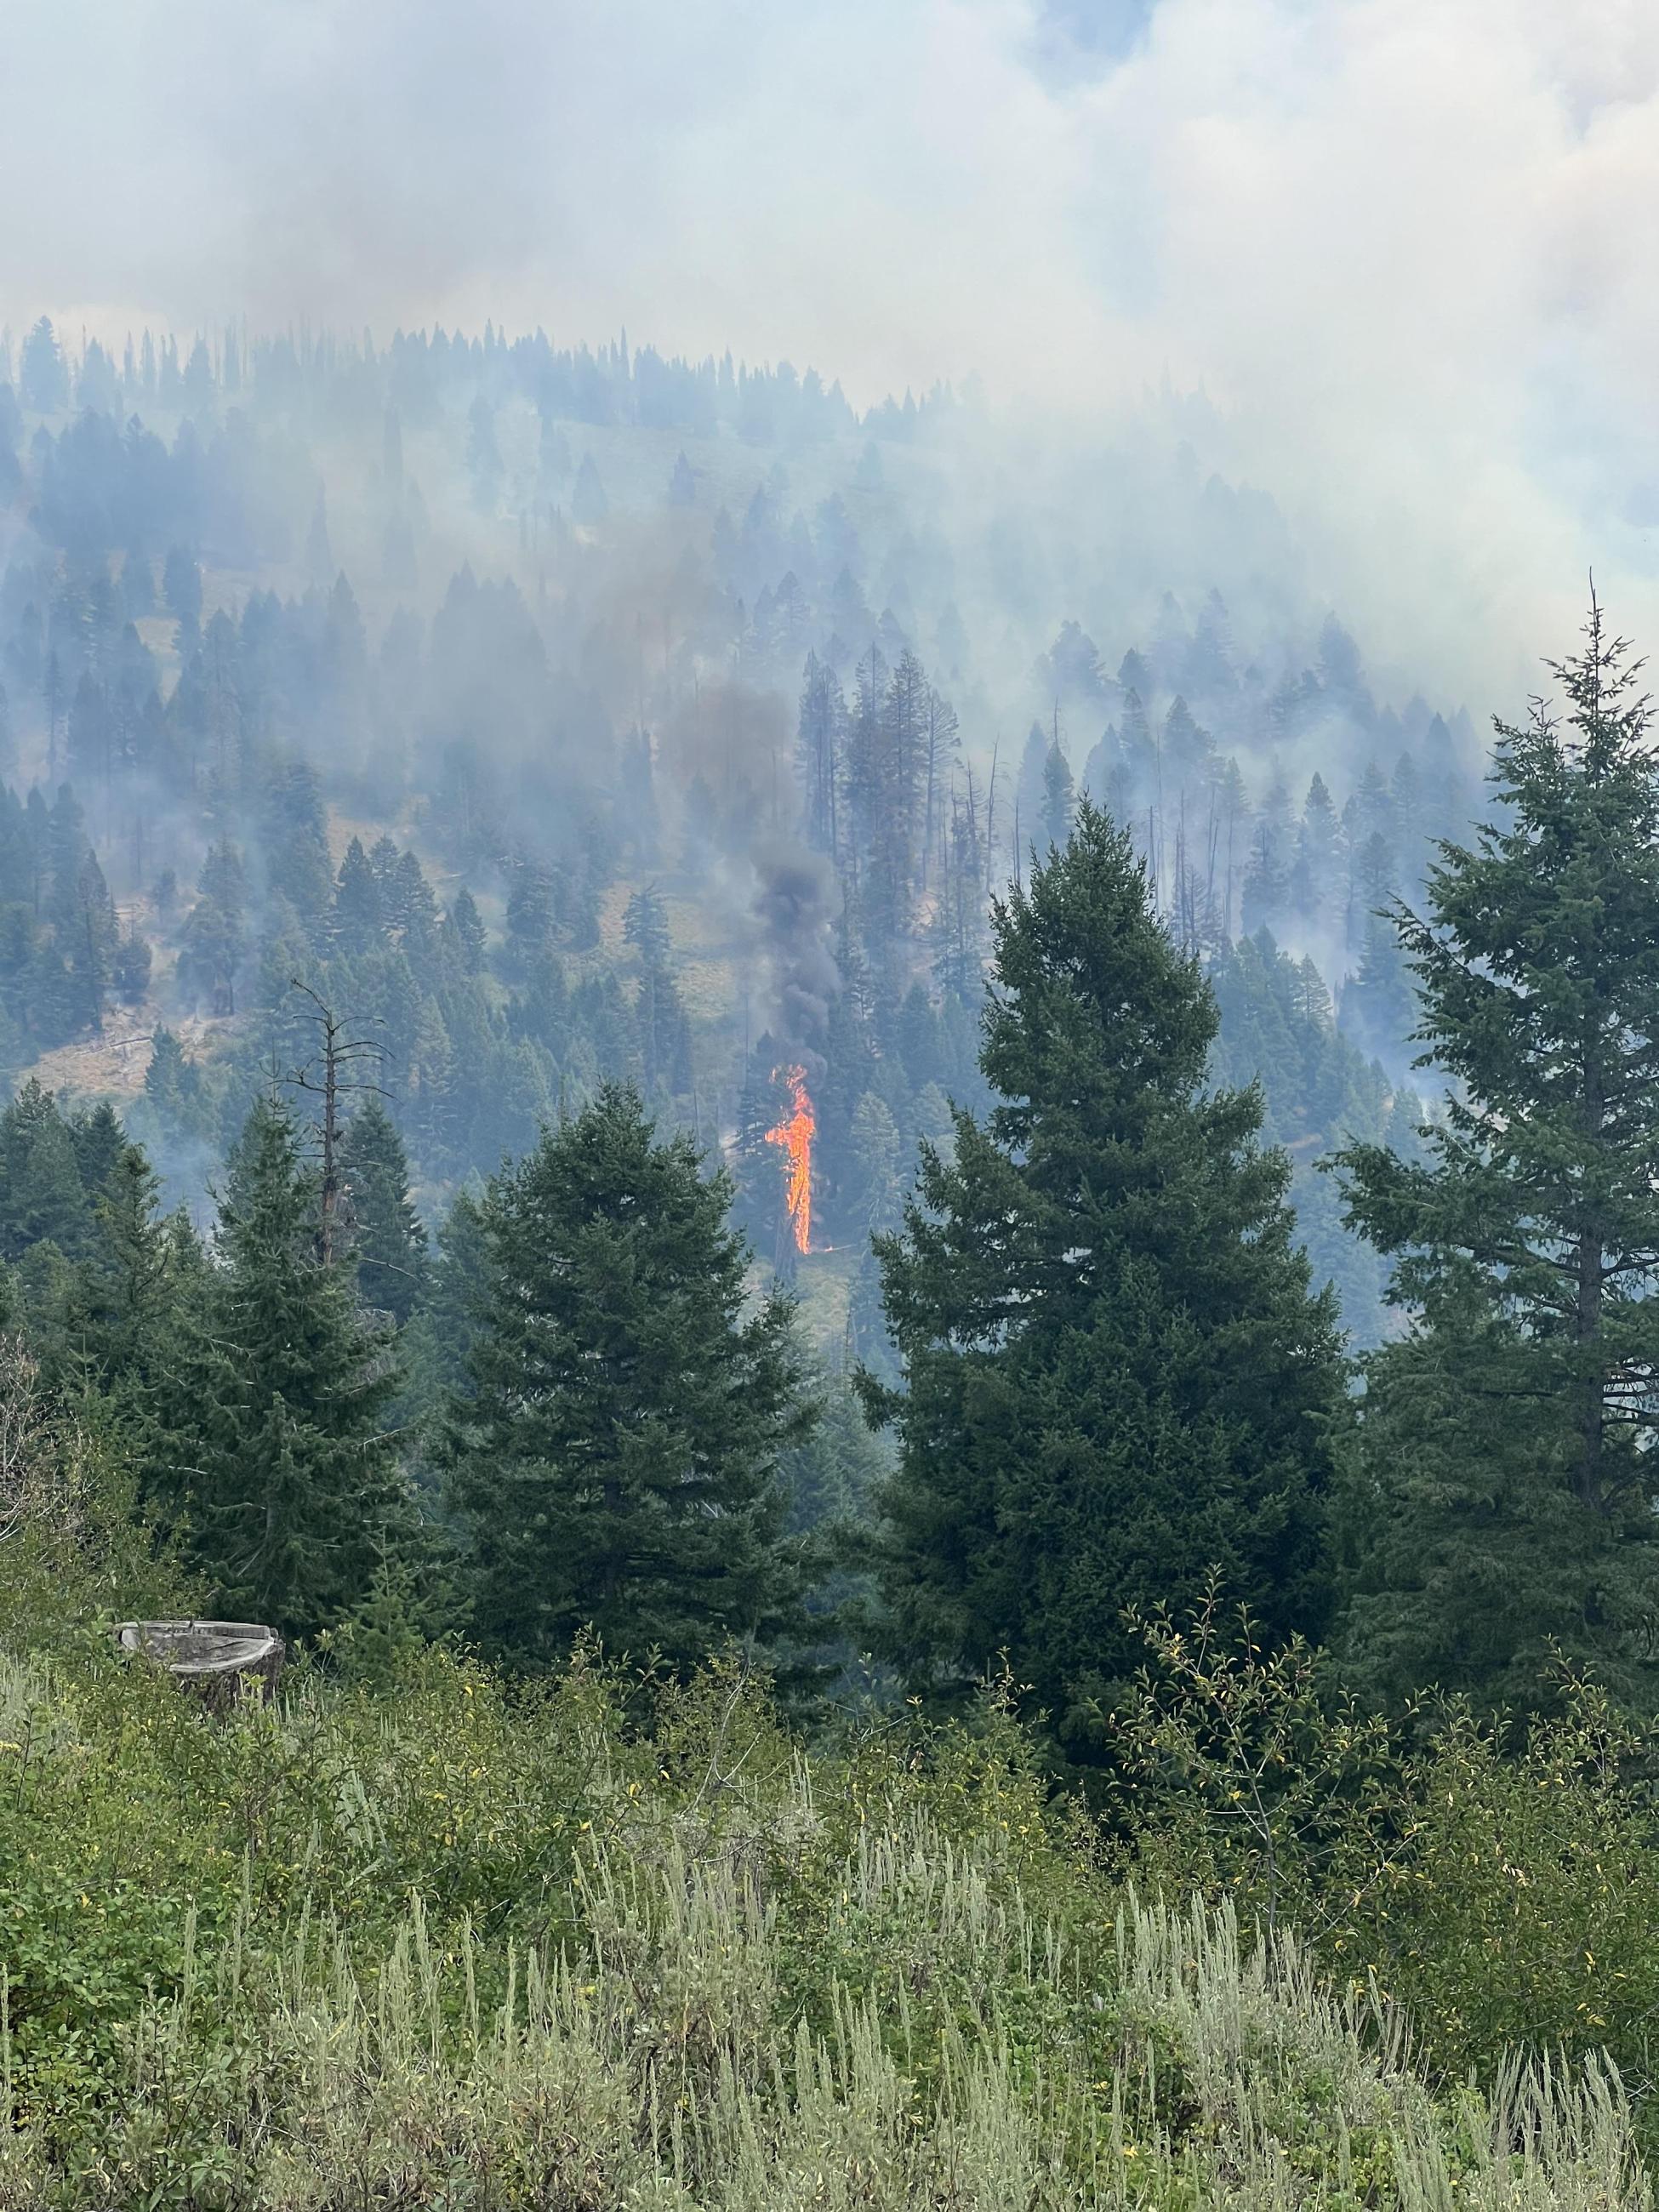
[935,1341]
[560,716]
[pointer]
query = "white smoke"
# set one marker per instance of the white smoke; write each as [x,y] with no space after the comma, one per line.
[1407,247]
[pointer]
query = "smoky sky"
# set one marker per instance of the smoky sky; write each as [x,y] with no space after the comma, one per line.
[1407,247]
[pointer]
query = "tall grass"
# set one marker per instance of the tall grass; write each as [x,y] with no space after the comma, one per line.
[737,1982]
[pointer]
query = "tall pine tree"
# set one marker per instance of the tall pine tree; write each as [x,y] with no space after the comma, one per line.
[617,1462]
[1508,1502]
[277,1461]
[387,1239]
[1115,1376]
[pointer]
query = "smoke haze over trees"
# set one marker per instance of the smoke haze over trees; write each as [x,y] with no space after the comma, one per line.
[574,713]
[1369,233]
[803,1030]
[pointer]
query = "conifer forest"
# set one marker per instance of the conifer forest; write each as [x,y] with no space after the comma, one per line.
[829,1109]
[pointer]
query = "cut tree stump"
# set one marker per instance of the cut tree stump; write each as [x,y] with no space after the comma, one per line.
[220,1661]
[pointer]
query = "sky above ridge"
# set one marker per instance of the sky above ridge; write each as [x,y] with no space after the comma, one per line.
[1407,247]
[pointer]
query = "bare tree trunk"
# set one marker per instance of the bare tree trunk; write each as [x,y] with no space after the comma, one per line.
[340,1052]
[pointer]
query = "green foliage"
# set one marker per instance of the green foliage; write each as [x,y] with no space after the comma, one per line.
[1501,1887]
[1115,1375]
[874,1143]
[106,1281]
[388,1237]
[60,943]
[1506,1501]
[1058,797]
[1236,1772]
[1318,1093]
[76,1549]
[663,1028]
[616,1459]
[274,1458]
[52,1170]
[608,1943]
[214,943]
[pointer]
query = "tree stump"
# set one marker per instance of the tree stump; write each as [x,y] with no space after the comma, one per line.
[219,1662]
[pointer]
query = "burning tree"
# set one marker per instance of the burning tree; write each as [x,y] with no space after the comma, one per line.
[778,1121]
[793,1136]
[775,1204]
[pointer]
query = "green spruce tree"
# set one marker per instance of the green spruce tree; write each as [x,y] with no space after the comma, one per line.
[459,1293]
[387,1239]
[359,918]
[129,1315]
[463,928]
[275,1459]
[617,1461]
[1506,1505]
[1115,1377]
[1059,798]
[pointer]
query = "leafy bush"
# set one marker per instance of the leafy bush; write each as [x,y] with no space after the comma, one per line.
[612,1941]
[1503,1885]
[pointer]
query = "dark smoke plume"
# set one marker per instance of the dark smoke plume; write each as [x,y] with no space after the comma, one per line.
[795,906]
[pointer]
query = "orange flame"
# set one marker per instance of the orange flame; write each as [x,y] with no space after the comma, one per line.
[795,1136]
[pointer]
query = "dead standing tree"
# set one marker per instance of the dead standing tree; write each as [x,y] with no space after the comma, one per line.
[325,1076]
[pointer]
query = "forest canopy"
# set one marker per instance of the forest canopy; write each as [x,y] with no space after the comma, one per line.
[911,1288]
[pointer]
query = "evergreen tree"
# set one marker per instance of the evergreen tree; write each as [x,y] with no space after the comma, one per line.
[879,1193]
[820,732]
[459,1288]
[41,373]
[1266,891]
[1057,795]
[359,922]
[181,586]
[131,960]
[1508,1501]
[464,926]
[410,909]
[387,1239]
[1318,851]
[941,743]
[1028,793]
[617,1461]
[126,1302]
[66,848]
[1188,751]
[1116,1378]
[530,907]
[863,751]
[296,841]
[761,1170]
[275,1461]
[1379,1008]
[129,1306]
[214,940]
[664,1031]
[172,1087]
[901,764]
[89,941]
[831,1474]
[43,1195]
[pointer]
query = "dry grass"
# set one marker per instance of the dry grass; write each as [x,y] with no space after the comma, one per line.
[677,2050]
